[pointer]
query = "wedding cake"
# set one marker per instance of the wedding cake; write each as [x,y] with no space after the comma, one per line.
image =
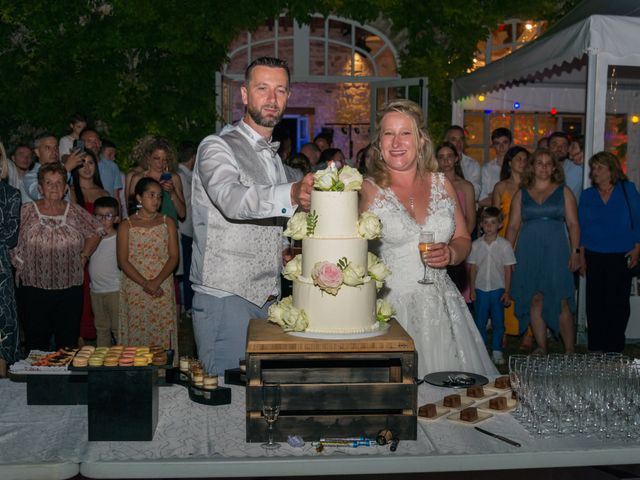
[335,278]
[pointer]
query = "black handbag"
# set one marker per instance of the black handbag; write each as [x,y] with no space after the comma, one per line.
[635,271]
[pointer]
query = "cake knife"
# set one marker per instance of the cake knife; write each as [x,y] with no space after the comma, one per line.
[499,437]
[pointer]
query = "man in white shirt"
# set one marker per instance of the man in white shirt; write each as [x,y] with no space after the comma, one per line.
[239,195]
[501,139]
[559,148]
[470,167]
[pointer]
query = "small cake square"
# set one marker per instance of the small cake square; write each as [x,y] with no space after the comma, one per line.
[475,392]
[469,414]
[498,403]
[453,401]
[502,382]
[428,410]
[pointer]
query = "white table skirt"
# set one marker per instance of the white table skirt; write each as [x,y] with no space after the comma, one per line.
[194,440]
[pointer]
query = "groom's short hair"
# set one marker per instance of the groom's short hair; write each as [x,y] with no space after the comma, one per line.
[272,62]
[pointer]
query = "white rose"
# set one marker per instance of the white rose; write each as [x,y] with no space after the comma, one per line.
[351,178]
[324,180]
[287,301]
[297,226]
[369,226]
[275,313]
[379,271]
[384,310]
[372,259]
[294,319]
[353,275]
[293,269]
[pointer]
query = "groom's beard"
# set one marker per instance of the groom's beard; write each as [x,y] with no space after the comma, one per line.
[262,120]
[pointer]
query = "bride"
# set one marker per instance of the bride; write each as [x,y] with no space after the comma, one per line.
[409,196]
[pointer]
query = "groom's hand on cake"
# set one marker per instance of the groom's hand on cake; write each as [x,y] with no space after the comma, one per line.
[301,192]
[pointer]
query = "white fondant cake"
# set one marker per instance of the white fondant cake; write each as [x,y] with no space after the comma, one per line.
[353,308]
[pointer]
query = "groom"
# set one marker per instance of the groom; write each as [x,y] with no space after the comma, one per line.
[239,190]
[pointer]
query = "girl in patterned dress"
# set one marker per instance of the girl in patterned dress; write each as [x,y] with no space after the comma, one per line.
[147,255]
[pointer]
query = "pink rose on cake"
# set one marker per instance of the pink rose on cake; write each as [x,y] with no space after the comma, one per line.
[293,269]
[351,179]
[369,226]
[327,276]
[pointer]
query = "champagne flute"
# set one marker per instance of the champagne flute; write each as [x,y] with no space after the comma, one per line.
[270,410]
[425,241]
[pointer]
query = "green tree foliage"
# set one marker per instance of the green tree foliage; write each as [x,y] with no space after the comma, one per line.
[148,66]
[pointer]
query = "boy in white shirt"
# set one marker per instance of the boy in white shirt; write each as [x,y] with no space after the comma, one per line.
[104,273]
[491,259]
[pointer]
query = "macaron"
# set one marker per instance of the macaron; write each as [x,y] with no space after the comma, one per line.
[110,362]
[140,361]
[96,361]
[125,361]
[80,361]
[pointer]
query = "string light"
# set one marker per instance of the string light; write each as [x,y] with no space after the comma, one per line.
[516,105]
[635,119]
[554,111]
[481,98]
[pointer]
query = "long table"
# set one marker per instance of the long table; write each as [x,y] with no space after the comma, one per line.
[194,440]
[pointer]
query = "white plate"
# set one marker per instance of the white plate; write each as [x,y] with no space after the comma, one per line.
[440,412]
[342,336]
[464,403]
[511,404]
[482,416]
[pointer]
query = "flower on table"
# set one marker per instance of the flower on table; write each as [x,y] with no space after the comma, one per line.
[369,226]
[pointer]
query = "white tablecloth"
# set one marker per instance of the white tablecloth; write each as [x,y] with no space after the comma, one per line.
[198,440]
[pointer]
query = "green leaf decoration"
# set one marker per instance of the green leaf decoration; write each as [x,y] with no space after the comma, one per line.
[312,221]
[343,263]
[338,186]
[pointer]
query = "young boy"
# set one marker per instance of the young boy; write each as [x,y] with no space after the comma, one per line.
[104,273]
[491,259]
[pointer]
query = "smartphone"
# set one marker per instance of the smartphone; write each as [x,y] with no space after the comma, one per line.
[165,177]
[78,145]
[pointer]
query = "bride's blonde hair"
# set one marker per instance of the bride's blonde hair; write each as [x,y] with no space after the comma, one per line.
[376,167]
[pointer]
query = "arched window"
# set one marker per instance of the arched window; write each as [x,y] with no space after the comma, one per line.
[328,49]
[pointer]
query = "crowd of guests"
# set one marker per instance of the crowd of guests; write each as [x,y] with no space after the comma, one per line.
[90,253]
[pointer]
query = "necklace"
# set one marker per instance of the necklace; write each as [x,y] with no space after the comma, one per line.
[146,218]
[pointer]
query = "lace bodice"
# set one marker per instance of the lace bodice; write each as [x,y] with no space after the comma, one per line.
[400,231]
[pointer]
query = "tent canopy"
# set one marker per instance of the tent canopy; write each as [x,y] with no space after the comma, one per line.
[594,26]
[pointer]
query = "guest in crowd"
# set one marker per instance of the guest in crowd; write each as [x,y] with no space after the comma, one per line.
[77,123]
[576,150]
[109,172]
[147,250]
[609,216]
[543,142]
[471,169]
[542,212]
[312,152]
[409,196]
[363,157]
[323,141]
[515,161]
[449,164]
[158,161]
[491,260]
[187,158]
[299,162]
[501,139]
[15,168]
[9,222]
[334,155]
[86,187]
[56,238]
[104,274]
[559,148]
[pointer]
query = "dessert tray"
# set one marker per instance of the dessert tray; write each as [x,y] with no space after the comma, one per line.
[440,412]
[384,327]
[482,416]
[453,379]
[511,405]
[43,363]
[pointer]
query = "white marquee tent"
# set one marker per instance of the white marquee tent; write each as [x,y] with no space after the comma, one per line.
[588,62]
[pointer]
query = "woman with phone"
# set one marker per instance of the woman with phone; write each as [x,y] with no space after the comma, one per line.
[158,159]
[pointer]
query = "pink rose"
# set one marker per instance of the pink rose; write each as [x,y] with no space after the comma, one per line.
[327,276]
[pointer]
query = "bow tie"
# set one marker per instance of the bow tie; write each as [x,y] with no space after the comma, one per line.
[263,144]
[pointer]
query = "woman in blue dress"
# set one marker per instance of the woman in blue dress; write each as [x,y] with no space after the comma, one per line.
[9,221]
[542,212]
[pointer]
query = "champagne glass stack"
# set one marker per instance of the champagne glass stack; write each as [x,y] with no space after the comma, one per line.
[578,394]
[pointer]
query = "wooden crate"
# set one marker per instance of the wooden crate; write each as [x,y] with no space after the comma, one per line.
[332,388]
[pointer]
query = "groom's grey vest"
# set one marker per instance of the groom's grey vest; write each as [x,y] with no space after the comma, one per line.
[243,257]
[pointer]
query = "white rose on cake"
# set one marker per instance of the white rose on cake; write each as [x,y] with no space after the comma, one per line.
[297,226]
[350,178]
[384,310]
[290,318]
[293,269]
[326,179]
[353,275]
[369,226]
[377,270]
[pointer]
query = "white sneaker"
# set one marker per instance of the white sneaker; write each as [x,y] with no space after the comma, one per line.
[497,357]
